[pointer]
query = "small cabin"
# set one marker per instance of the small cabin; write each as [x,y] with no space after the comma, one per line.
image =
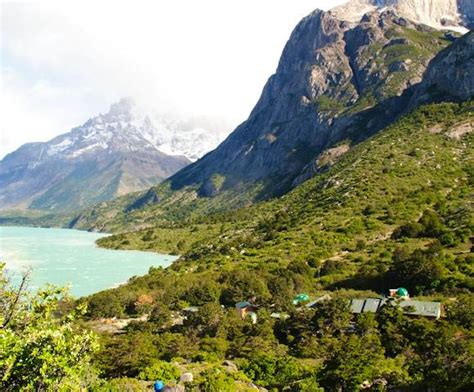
[245,309]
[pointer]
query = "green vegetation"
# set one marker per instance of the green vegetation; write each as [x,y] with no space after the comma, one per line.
[34,218]
[41,348]
[394,211]
[327,105]
[402,61]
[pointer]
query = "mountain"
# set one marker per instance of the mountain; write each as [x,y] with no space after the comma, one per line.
[109,155]
[367,129]
[336,84]
[178,134]
[331,79]
[441,14]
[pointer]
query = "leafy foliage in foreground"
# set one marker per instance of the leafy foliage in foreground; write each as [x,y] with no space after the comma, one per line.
[41,349]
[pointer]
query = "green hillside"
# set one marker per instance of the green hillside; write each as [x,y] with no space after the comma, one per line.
[387,181]
[396,210]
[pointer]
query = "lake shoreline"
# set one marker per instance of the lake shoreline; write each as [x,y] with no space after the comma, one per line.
[61,256]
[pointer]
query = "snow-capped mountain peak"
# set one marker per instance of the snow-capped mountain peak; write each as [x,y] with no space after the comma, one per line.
[125,127]
[109,155]
[441,14]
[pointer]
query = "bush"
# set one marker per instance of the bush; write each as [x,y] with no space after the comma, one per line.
[409,230]
[104,304]
[215,380]
[123,384]
[160,315]
[433,226]
[274,372]
[461,311]
[332,267]
[160,370]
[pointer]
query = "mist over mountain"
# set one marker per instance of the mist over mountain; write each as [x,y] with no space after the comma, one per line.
[121,151]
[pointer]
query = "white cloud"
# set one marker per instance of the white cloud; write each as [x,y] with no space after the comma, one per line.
[65,61]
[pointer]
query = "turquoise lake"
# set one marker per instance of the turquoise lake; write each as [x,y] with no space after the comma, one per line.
[71,257]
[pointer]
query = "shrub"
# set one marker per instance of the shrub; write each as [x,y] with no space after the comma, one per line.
[160,370]
[409,230]
[105,304]
[433,226]
[274,372]
[160,315]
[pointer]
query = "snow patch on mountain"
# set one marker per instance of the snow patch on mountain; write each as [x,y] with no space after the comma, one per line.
[441,14]
[127,128]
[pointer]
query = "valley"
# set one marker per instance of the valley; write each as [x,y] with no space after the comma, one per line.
[325,245]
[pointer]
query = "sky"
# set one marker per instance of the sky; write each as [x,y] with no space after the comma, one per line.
[63,62]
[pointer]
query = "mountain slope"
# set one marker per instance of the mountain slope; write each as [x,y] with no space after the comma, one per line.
[329,73]
[425,160]
[396,211]
[110,155]
[361,80]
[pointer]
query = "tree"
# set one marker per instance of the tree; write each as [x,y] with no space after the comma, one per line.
[417,271]
[392,324]
[410,230]
[461,311]
[127,354]
[441,356]
[160,315]
[207,319]
[432,223]
[241,285]
[358,361]
[105,304]
[39,348]
[202,293]
[332,317]
[274,371]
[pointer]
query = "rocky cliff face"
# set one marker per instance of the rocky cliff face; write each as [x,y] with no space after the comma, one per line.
[330,78]
[450,75]
[109,155]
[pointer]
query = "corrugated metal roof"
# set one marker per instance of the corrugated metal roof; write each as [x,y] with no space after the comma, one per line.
[192,309]
[357,305]
[371,305]
[325,297]
[422,308]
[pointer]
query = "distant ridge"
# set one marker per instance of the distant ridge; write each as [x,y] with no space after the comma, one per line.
[109,155]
